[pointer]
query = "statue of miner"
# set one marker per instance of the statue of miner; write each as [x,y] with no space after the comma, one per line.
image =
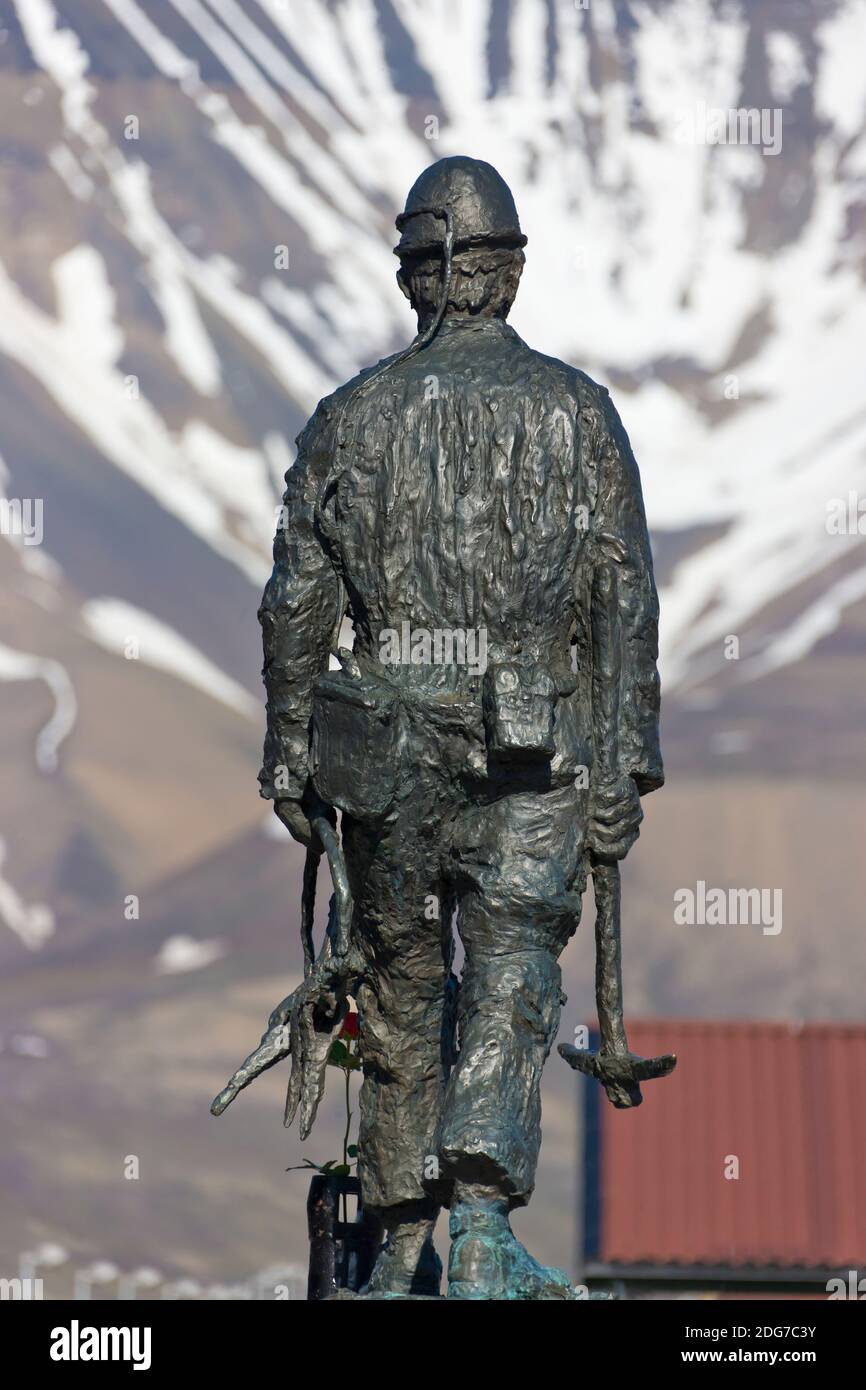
[475,509]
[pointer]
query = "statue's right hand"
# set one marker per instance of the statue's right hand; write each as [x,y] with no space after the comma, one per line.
[295,818]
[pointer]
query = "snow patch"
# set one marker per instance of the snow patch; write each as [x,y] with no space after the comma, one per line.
[816,622]
[123,629]
[32,923]
[21,666]
[839,90]
[788,68]
[86,305]
[180,954]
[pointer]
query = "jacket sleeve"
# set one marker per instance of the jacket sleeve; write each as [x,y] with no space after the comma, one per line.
[300,614]
[620,525]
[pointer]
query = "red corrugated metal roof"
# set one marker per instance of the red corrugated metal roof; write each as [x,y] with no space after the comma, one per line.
[788,1101]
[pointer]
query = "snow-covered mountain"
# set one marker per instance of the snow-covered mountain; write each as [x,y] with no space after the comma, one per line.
[195,245]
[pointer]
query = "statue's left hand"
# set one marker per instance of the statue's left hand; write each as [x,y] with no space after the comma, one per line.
[614,819]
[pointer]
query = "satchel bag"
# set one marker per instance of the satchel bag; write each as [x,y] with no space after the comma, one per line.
[354,743]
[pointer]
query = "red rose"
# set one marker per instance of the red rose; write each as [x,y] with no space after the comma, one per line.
[350,1026]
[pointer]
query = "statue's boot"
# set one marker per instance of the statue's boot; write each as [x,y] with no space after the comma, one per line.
[407,1265]
[487,1260]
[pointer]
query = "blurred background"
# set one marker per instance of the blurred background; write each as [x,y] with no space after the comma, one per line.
[196,223]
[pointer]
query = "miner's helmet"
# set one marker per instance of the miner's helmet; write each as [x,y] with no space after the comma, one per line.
[482,211]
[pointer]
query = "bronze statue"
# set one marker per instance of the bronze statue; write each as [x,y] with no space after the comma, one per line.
[475,509]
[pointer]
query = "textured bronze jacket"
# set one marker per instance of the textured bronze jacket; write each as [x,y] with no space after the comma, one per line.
[472,486]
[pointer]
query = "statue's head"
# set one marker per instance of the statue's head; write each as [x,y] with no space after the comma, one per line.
[474,201]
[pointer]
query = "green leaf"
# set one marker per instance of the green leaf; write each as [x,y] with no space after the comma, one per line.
[338,1056]
[352,1151]
[342,1169]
